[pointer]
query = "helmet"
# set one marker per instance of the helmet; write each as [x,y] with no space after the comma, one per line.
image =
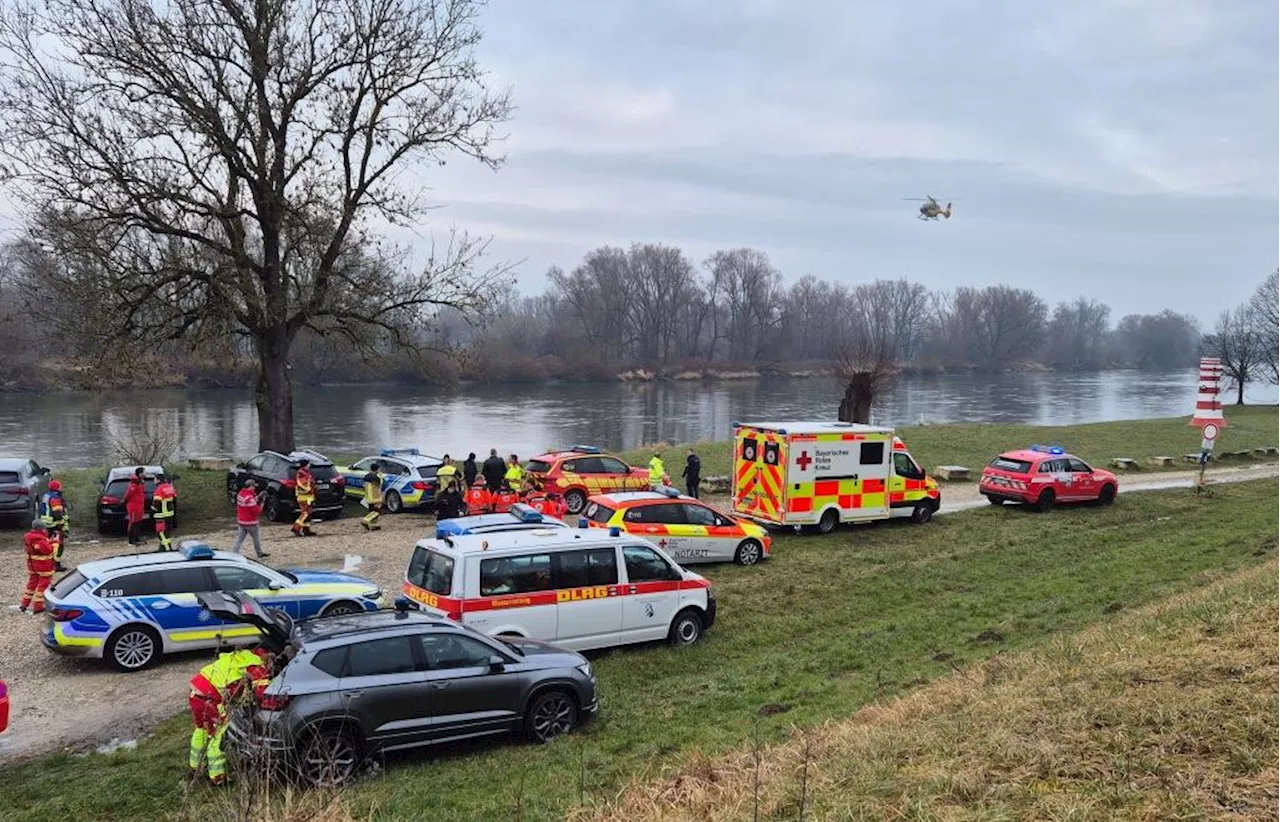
[55,485]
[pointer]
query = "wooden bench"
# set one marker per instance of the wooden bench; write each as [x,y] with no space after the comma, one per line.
[715,485]
[1163,462]
[1236,454]
[1263,452]
[952,473]
[1124,463]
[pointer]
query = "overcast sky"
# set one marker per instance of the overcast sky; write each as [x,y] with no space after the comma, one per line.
[1121,149]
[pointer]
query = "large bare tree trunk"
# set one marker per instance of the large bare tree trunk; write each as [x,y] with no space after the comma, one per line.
[274,396]
[856,405]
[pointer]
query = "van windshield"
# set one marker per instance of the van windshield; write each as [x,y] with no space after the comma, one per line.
[431,571]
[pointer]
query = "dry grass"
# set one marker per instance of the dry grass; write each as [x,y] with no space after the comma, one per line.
[1168,713]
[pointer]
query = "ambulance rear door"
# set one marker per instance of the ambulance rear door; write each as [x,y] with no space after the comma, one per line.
[759,475]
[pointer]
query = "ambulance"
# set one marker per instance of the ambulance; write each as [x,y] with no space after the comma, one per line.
[817,475]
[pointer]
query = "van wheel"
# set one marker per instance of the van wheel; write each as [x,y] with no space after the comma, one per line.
[575,501]
[923,512]
[1107,495]
[748,552]
[1045,501]
[133,648]
[551,714]
[828,521]
[686,628]
[329,758]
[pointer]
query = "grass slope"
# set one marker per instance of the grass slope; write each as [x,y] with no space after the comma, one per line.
[829,625]
[1169,713]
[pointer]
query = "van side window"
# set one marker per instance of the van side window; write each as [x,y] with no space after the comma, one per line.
[644,565]
[515,575]
[906,467]
[872,453]
[579,569]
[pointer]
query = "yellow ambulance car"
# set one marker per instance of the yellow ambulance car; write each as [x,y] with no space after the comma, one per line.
[820,474]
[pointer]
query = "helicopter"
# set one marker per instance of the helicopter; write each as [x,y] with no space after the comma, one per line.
[931,210]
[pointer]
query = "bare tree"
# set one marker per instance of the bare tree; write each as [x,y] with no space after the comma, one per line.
[1264,314]
[1236,342]
[894,309]
[1157,341]
[1078,335]
[663,281]
[229,162]
[752,299]
[865,360]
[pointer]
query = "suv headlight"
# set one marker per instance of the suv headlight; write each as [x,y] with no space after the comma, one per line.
[586,670]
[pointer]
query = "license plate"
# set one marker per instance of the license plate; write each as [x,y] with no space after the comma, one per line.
[323,486]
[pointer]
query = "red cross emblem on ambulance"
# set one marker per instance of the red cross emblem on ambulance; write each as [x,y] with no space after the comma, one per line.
[804,460]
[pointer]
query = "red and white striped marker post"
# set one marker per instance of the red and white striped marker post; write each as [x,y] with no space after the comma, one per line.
[1208,405]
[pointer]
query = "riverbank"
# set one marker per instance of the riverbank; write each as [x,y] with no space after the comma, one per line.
[828,626]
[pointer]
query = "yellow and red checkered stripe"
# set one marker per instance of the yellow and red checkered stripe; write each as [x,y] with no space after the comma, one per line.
[845,494]
[759,490]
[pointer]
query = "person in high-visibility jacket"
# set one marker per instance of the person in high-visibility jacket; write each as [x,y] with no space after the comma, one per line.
[447,476]
[40,567]
[162,502]
[373,498]
[213,692]
[53,516]
[514,478]
[304,492]
[657,472]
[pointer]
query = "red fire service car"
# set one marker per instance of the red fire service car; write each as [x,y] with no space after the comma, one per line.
[581,471]
[1043,475]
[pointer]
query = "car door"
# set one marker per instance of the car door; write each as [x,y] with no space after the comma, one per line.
[589,608]
[718,537]
[652,588]
[167,598]
[1084,486]
[384,688]
[469,696]
[664,524]
[517,593]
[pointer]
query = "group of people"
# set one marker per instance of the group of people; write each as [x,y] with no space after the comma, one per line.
[692,474]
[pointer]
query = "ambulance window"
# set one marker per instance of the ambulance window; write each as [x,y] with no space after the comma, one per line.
[750,449]
[644,565]
[872,453]
[515,575]
[578,569]
[904,466]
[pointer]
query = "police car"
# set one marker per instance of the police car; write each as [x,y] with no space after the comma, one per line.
[686,529]
[131,609]
[410,480]
[519,517]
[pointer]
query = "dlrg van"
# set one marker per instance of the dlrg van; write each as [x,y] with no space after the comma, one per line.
[576,587]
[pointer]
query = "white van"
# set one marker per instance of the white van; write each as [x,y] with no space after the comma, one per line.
[579,588]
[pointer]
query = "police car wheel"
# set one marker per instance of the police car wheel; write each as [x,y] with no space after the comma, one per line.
[133,648]
[686,628]
[748,552]
[341,609]
[393,502]
[576,501]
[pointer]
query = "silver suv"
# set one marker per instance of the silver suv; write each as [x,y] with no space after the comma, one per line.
[21,484]
[359,685]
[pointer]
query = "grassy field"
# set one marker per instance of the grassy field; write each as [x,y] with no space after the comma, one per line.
[1168,713]
[975,445]
[828,626]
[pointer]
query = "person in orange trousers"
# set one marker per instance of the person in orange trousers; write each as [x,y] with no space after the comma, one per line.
[40,567]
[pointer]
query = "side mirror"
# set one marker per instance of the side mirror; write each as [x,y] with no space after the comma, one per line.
[273,585]
[44,472]
[496,664]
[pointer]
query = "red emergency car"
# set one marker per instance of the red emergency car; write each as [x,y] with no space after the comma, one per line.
[1044,475]
[582,471]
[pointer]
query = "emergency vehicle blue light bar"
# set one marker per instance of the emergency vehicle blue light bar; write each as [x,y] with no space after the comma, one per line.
[582,522]
[525,513]
[585,449]
[195,550]
[448,528]
[615,531]
[1048,449]
[669,491]
[391,452]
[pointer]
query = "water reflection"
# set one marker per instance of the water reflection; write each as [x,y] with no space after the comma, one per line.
[76,428]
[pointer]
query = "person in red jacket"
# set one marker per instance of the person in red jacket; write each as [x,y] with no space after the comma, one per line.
[40,567]
[135,505]
[248,509]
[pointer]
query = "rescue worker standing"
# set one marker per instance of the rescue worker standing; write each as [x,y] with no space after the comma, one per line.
[448,504]
[53,516]
[135,505]
[248,509]
[372,498]
[657,472]
[692,473]
[162,502]
[305,493]
[213,691]
[494,469]
[40,566]
[446,475]
[469,470]
[513,478]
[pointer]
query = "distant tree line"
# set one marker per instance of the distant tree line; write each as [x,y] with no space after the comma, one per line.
[651,307]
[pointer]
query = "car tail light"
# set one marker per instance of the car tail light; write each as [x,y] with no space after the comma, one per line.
[110,500]
[419,485]
[65,614]
[339,480]
[288,483]
[273,702]
[22,490]
[456,616]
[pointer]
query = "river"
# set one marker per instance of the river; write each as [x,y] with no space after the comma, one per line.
[75,429]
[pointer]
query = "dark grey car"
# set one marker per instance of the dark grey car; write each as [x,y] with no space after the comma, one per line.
[21,484]
[360,685]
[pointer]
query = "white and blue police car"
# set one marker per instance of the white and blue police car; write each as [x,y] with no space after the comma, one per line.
[409,478]
[519,517]
[129,610]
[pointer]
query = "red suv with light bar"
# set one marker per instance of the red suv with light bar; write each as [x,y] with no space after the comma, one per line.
[1044,475]
[583,471]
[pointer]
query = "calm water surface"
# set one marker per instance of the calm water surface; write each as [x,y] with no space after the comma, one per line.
[74,429]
